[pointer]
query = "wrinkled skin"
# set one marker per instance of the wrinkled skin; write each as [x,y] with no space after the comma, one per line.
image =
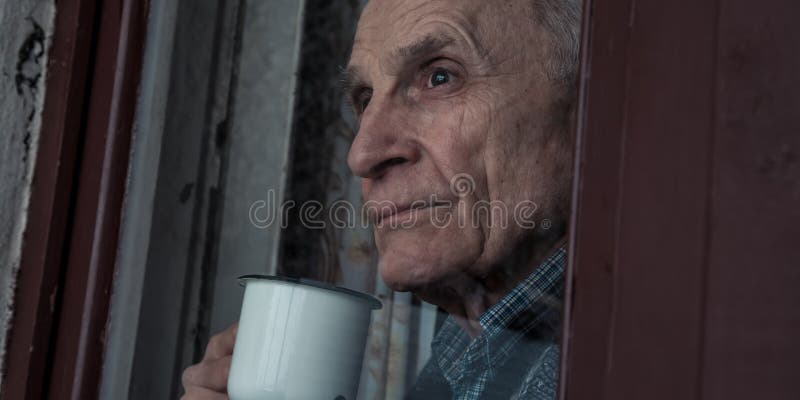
[471,99]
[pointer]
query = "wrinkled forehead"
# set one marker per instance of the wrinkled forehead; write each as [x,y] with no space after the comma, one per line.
[386,20]
[388,27]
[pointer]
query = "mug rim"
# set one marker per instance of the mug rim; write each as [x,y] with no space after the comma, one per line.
[373,302]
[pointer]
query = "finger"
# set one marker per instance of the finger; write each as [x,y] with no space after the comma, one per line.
[198,393]
[221,344]
[211,374]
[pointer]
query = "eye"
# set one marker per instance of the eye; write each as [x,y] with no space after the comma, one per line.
[361,100]
[439,77]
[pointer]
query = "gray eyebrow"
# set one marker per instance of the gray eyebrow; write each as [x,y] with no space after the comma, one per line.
[423,46]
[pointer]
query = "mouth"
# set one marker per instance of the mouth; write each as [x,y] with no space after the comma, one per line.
[403,213]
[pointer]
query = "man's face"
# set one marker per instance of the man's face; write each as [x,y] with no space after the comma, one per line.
[455,90]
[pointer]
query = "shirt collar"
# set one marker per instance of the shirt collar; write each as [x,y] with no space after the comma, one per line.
[532,307]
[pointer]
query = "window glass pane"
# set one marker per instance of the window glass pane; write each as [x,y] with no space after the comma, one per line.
[393,178]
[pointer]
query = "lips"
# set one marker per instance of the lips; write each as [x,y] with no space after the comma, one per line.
[390,210]
[401,212]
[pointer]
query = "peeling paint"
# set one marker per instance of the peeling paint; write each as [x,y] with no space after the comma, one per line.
[26,141]
[29,60]
[25,27]
[29,72]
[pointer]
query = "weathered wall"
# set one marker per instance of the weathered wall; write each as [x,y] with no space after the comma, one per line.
[25,26]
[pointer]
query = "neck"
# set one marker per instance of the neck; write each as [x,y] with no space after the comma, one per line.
[467,297]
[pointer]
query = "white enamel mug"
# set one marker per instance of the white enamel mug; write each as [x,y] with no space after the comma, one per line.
[299,340]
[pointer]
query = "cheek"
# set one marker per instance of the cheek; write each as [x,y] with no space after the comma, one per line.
[456,141]
[519,169]
[519,151]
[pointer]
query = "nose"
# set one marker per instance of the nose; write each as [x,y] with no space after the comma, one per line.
[384,141]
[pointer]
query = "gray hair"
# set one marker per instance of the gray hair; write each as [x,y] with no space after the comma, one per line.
[562,20]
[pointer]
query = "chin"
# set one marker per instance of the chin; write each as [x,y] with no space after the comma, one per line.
[411,260]
[410,274]
[404,279]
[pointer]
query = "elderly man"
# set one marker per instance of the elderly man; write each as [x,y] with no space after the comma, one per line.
[474,89]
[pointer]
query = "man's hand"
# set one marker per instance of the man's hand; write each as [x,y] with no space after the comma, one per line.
[208,379]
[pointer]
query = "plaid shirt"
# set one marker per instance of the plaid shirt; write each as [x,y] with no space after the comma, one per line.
[516,355]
